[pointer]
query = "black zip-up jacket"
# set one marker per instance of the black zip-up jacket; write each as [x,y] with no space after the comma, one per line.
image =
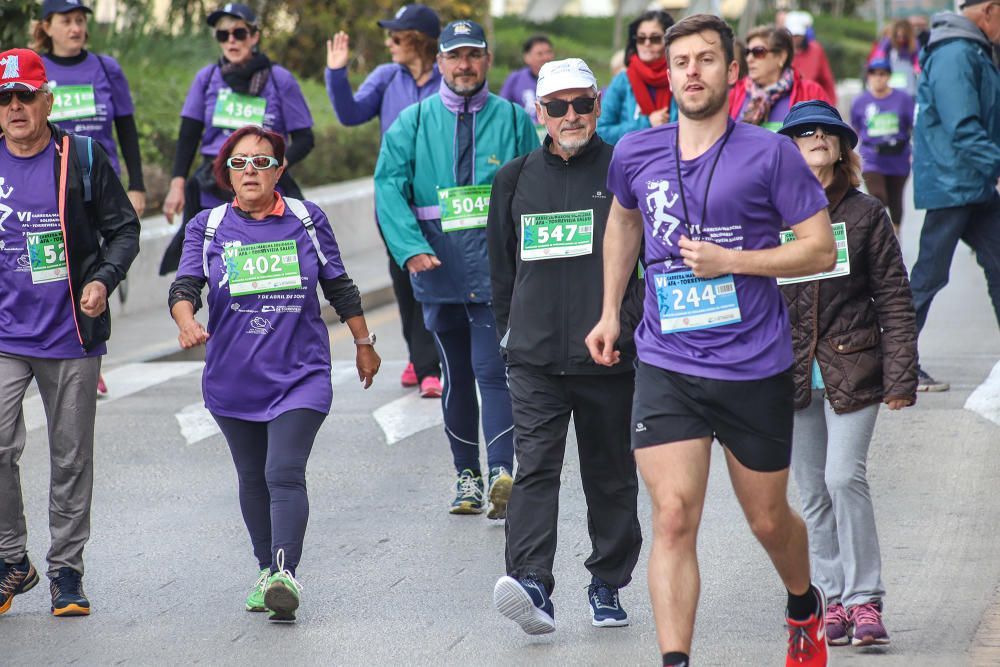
[109,217]
[545,308]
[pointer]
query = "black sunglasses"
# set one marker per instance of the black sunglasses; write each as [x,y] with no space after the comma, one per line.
[654,40]
[559,108]
[758,51]
[23,96]
[239,34]
[809,130]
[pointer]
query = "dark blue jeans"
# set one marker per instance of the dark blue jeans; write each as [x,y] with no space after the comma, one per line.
[270,460]
[976,224]
[469,350]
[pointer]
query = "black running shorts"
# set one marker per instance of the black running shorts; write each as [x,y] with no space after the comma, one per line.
[751,418]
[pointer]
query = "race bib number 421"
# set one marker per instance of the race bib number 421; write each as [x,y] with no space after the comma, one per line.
[72,103]
[262,267]
[464,207]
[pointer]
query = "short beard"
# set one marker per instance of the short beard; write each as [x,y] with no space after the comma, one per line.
[572,147]
[711,106]
[464,91]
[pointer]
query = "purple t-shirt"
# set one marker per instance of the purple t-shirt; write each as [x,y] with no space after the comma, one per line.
[36,317]
[880,121]
[270,352]
[760,183]
[112,98]
[286,110]
[519,88]
[776,117]
[388,90]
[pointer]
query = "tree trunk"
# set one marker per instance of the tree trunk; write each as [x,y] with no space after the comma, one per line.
[618,37]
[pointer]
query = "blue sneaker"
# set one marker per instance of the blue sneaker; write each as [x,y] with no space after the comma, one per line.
[468,494]
[526,603]
[15,578]
[605,608]
[68,598]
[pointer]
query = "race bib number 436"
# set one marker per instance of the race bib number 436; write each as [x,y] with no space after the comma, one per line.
[464,207]
[262,267]
[233,110]
[550,235]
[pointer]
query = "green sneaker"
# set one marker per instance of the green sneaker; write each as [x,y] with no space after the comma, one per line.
[501,484]
[255,601]
[281,594]
[468,494]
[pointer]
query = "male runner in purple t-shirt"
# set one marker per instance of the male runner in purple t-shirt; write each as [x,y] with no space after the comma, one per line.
[714,344]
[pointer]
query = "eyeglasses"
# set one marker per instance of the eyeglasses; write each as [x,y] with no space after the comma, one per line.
[259,162]
[453,57]
[652,40]
[239,35]
[23,96]
[559,108]
[758,51]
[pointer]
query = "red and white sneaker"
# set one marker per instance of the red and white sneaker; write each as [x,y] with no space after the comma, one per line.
[409,377]
[430,387]
[807,639]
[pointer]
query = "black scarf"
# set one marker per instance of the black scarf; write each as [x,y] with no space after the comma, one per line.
[248,78]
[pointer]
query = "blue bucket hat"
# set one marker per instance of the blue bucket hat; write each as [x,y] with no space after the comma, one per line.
[817,112]
[880,63]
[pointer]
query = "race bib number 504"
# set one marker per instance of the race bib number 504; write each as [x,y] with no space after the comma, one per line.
[464,207]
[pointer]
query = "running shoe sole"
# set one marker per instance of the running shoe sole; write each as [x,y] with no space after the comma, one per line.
[610,623]
[513,601]
[840,641]
[25,586]
[281,602]
[868,640]
[499,496]
[465,508]
[71,610]
[934,388]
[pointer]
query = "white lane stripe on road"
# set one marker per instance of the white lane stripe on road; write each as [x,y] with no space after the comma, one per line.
[122,381]
[407,416]
[985,400]
[196,423]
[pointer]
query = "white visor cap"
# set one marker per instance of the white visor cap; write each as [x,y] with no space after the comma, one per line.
[564,75]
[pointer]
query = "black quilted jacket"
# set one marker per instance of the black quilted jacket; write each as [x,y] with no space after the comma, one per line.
[860,327]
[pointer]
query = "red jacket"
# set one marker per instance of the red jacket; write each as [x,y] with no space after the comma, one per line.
[811,62]
[802,90]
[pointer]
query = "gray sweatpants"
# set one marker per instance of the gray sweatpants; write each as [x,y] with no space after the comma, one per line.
[68,389]
[830,466]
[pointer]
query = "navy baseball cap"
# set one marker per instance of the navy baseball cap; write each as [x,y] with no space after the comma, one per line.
[414,17]
[50,7]
[462,33]
[880,63]
[818,112]
[236,10]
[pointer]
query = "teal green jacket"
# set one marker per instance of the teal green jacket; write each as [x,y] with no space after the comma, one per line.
[416,159]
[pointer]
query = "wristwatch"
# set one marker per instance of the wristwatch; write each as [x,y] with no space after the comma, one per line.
[370,340]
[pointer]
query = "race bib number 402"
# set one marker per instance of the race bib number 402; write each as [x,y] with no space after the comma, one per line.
[262,267]
[551,235]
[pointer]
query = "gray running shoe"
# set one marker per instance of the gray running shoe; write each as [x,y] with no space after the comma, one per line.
[926,383]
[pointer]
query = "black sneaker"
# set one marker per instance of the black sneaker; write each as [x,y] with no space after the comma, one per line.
[68,598]
[525,602]
[14,580]
[926,383]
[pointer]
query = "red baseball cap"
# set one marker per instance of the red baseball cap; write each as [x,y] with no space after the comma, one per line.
[21,69]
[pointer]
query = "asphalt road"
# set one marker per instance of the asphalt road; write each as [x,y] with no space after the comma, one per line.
[391,578]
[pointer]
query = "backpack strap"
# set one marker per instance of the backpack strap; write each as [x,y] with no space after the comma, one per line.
[300,211]
[84,149]
[214,220]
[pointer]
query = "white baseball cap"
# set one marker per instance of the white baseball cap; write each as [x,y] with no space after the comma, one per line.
[798,23]
[564,75]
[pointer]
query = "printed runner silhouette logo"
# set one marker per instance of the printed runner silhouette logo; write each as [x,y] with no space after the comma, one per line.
[5,210]
[657,203]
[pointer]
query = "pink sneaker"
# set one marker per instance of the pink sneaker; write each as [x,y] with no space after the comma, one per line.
[102,388]
[838,625]
[409,377]
[430,387]
[868,627]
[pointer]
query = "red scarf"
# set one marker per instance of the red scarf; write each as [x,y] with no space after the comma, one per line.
[642,75]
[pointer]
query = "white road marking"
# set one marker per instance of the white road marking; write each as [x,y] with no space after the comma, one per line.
[985,400]
[407,416]
[122,381]
[196,423]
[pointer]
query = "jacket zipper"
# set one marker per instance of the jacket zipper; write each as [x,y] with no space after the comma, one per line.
[62,187]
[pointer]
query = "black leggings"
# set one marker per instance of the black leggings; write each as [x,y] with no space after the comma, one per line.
[270,460]
[889,191]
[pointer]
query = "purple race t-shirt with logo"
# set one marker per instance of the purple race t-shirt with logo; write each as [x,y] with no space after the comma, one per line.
[519,88]
[286,109]
[112,98]
[761,182]
[268,353]
[36,318]
[888,120]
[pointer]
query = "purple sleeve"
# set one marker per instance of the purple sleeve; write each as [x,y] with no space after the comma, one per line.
[194,241]
[354,109]
[293,103]
[328,242]
[618,180]
[795,192]
[857,115]
[507,90]
[194,103]
[120,95]
[906,114]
